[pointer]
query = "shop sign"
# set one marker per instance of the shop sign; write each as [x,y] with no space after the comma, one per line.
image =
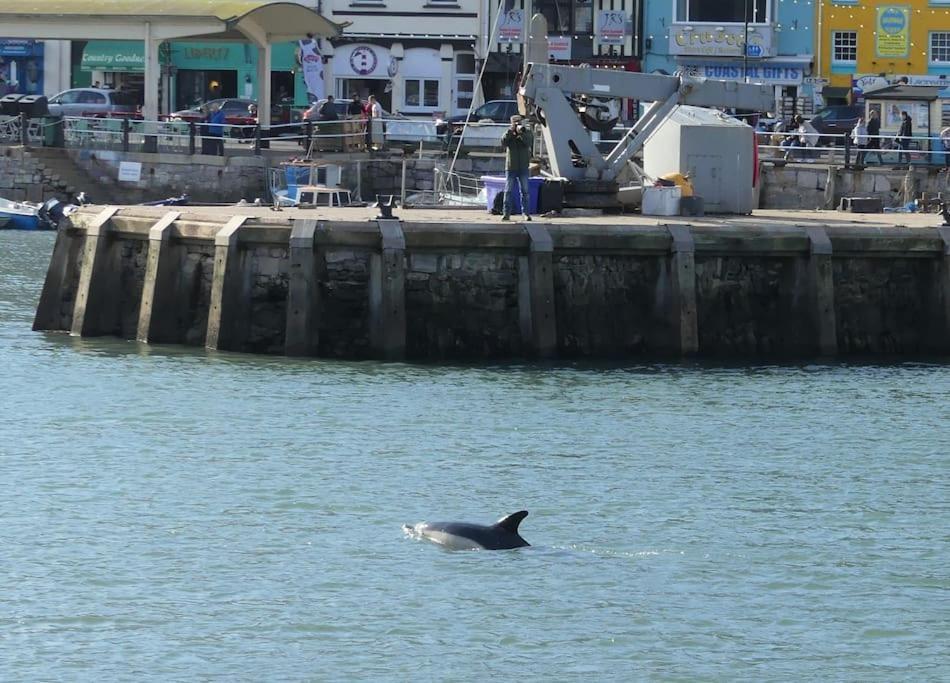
[206,54]
[363,60]
[866,83]
[559,47]
[511,26]
[17,48]
[893,31]
[611,27]
[768,73]
[717,41]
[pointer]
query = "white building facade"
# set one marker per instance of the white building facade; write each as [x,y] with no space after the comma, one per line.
[418,57]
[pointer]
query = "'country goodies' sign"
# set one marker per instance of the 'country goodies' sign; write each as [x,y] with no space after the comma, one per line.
[611,27]
[893,31]
[511,26]
[687,39]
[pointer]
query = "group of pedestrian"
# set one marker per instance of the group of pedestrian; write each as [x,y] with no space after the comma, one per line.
[866,137]
[800,138]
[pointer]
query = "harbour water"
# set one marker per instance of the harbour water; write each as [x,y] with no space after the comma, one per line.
[175,514]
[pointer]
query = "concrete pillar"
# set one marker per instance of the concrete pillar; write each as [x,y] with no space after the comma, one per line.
[303,293]
[831,182]
[263,83]
[225,322]
[156,310]
[153,71]
[387,293]
[822,291]
[61,271]
[536,293]
[398,94]
[96,308]
[683,272]
[943,287]
[447,89]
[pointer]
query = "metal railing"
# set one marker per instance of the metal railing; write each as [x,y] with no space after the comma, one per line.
[839,149]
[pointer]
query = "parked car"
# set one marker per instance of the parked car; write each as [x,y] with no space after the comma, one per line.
[496,111]
[235,111]
[93,102]
[836,120]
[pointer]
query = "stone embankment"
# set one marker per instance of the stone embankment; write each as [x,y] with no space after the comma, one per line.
[341,283]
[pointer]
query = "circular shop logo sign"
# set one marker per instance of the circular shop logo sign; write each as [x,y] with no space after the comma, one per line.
[893,20]
[363,60]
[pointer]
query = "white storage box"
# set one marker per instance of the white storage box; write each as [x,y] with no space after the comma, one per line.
[661,201]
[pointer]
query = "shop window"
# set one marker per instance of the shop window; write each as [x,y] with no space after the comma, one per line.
[844,47]
[464,80]
[567,16]
[725,11]
[940,48]
[422,93]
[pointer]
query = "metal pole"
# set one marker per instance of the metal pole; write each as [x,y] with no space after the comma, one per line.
[745,45]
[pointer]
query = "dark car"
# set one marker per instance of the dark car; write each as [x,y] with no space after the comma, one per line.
[235,111]
[837,120]
[496,111]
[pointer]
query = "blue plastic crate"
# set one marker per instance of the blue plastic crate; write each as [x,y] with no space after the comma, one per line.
[495,185]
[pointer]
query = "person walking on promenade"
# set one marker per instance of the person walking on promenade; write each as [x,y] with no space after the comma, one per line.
[518,143]
[216,130]
[859,136]
[328,111]
[945,142]
[903,138]
[372,111]
[874,142]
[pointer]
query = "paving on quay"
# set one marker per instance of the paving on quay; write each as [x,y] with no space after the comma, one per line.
[761,218]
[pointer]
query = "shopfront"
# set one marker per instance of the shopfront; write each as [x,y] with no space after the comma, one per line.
[21,67]
[364,69]
[118,64]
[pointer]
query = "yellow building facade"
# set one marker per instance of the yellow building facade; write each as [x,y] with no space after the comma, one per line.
[867,40]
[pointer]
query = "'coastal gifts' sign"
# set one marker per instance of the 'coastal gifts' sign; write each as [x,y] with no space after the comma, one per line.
[893,31]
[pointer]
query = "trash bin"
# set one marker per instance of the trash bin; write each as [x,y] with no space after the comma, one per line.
[34,106]
[53,135]
[9,106]
[495,185]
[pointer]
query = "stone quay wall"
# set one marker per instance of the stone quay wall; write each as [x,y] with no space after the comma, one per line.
[428,290]
[808,186]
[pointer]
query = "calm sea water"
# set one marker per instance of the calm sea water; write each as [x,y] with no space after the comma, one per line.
[172,514]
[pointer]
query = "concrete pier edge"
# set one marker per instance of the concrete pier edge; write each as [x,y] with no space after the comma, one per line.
[224,328]
[683,268]
[337,286]
[158,289]
[822,290]
[95,309]
[302,336]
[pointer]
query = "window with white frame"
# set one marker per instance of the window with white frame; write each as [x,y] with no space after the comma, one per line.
[940,48]
[725,11]
[844,47]
[422,92]
[464,80]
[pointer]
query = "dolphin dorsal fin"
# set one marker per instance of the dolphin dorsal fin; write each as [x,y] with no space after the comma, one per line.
[511,522]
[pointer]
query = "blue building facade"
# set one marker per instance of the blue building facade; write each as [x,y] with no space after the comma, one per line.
[764,41]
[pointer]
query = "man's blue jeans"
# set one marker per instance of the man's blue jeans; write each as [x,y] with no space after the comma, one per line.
[512,177]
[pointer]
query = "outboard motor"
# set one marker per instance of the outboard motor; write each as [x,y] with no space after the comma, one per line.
[51,213]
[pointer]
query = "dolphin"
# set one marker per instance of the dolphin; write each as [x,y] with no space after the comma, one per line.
[501,535]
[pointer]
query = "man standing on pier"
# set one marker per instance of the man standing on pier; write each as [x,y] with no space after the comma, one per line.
[518,143]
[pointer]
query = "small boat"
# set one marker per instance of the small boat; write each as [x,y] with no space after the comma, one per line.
[21,215]
[33,216]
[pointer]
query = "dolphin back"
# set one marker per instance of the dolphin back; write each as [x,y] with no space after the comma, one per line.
[511,522]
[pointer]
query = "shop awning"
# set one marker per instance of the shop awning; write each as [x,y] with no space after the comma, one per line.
[113,55]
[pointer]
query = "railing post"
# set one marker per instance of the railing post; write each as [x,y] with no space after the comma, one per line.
[192,134]
[257,139]
[847,151]
[309,129]
[126,127]
[24,130]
